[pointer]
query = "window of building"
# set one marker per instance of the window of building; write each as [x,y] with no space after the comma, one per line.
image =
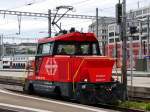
[138,12]
[111,28]
[111,40]
[116,39]
[104,31]
[135,38]
[116,33]
[144,30]
[145,11]
[111,34]
[144,38]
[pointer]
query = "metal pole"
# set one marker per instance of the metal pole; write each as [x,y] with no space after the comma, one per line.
[131,64]
[49,23]
[120,37]
[0,47]
[148,47]
[60,26]
[124,46]
[3,48]
[97,28]
[140,34]
[97,22]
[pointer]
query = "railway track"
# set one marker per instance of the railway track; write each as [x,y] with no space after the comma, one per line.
[104,106]
[15,85]
[6,110]
[112,107]
[138,93]
[11,81]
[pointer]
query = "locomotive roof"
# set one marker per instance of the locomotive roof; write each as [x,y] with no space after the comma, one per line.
[75,36]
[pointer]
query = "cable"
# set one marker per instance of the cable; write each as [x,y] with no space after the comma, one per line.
[85,1]
[79,3]
[19,24]
[28,4]
[77,23]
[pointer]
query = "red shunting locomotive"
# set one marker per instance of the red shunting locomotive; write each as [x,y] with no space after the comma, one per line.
[71,65]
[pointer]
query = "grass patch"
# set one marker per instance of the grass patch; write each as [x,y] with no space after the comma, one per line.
[148,107]
[135,105]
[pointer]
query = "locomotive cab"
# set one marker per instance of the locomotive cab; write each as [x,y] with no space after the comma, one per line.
[71,65]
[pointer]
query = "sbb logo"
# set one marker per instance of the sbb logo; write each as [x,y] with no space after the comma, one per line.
[51,66]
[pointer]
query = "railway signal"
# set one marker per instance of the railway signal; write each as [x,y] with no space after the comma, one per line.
[118,13]
[121,20]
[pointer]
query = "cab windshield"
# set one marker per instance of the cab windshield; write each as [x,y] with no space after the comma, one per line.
[78,48]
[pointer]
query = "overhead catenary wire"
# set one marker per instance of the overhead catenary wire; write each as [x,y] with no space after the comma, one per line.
[110,8]
[19,17]
[19,24]
[80,3]
[27,4]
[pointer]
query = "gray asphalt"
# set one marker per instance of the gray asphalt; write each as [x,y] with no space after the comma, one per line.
[25,103]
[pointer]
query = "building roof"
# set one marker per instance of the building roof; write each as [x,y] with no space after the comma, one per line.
[138,9]
[27,44]
[104,20]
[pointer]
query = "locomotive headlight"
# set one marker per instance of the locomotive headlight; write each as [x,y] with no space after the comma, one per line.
[85,80]
[83,86]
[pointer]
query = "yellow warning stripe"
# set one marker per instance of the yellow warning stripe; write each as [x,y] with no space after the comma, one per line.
[68,67]
[76,73]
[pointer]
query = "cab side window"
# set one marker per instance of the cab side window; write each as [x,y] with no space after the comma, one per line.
[45,49]
[66,49]
[39,50]
[95,49]
[85,49]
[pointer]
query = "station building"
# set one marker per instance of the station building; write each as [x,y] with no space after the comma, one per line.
[138,42]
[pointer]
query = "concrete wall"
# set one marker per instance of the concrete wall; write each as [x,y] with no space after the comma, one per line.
[1,65]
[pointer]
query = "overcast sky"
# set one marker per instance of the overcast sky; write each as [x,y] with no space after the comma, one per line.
[36,27]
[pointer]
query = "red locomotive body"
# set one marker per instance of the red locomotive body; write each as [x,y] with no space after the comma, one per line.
[70,65]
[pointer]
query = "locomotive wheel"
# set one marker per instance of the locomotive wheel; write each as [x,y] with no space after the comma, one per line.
[57,92]
[29,89]
[86,98]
